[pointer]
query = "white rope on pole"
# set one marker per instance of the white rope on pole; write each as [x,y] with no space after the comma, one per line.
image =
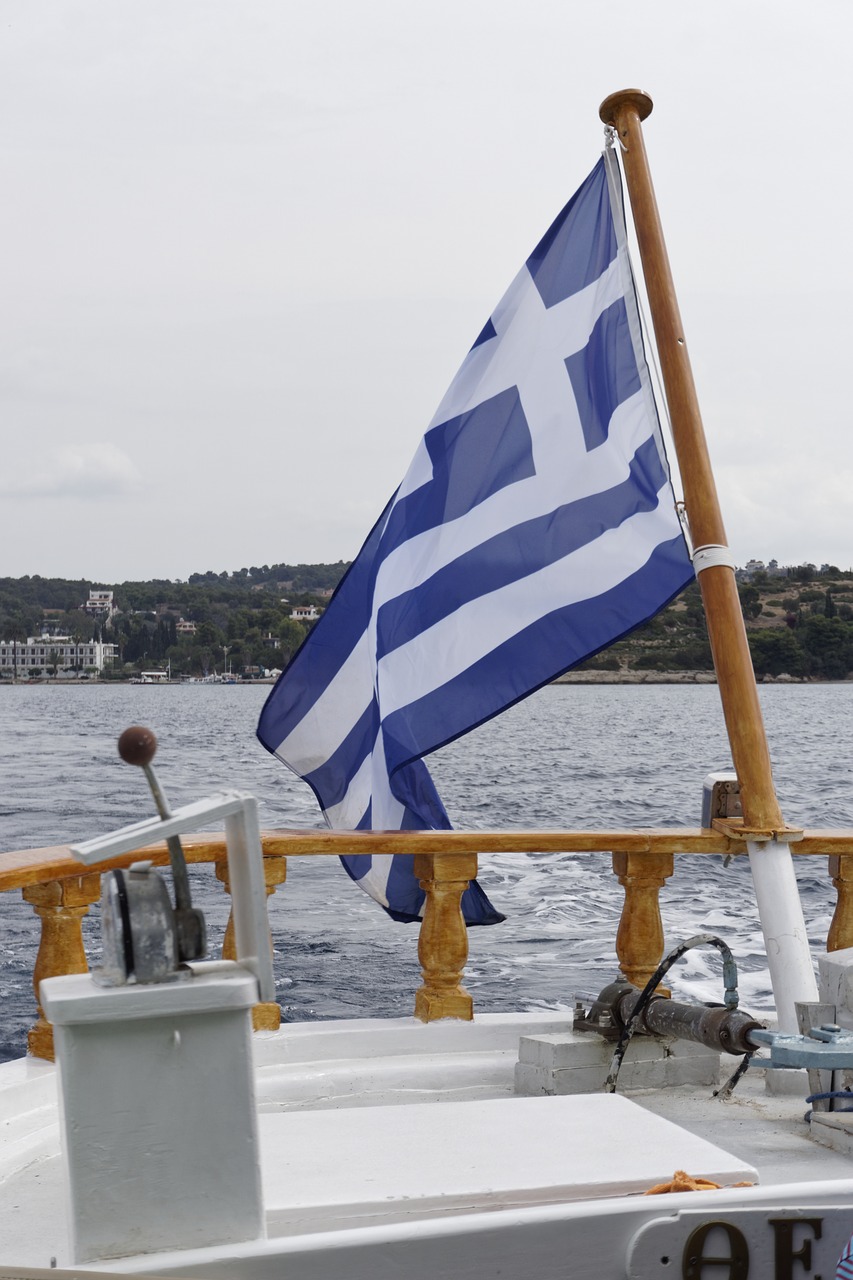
[710,555]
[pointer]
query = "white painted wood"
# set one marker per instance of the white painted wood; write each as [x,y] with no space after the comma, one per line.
[587,1240]
[76,999]
[781,1241]
[332,1169]
[248,894]
[834,1129]
[158,1116]
[139,835]
[780,911]
[836,984]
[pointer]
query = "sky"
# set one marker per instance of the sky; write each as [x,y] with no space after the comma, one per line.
[245,245]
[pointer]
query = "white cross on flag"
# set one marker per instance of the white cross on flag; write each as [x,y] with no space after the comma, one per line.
[535,526]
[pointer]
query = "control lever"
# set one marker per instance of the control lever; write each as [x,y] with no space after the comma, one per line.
[137,746]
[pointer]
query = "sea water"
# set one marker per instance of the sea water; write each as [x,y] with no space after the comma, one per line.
[572,756]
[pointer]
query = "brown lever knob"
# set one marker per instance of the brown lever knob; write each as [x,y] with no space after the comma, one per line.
[137,745]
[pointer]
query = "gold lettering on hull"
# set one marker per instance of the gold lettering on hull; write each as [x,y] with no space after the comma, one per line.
[728,1252]
[695,1262]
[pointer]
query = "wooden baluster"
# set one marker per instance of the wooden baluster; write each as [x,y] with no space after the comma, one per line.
[443,939]
[266,1016]
[639,940]
[61,904]
[841,929]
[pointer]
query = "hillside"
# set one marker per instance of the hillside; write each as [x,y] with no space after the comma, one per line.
[799,621]
[242,620]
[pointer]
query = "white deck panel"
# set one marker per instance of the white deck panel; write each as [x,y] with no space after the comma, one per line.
[327,1170]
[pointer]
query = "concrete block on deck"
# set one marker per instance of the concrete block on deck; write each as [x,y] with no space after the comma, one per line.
[836,984]
[535,1082]
[693,1068]
[579,1063]
[555,1052]
[833,1129]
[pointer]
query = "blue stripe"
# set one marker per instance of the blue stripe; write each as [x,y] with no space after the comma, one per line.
[520,551]
[604,373]
[407,898]
[357,865]
[534,656]
[414,788]
[326,647]
[558,268]
[473,457]
[403,891]
[488,331]
[332,778]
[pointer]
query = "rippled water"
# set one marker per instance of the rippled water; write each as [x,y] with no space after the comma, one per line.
[572,756]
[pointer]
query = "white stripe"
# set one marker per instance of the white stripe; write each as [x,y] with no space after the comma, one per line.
[527,331]
[387,812]
[347,813]
[455,643]
[420,557]
[375,881]
[341,704]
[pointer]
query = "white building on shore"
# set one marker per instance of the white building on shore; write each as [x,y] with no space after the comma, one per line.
[42,653]
[100,605]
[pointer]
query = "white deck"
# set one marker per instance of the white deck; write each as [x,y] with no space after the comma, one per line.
[368,1127]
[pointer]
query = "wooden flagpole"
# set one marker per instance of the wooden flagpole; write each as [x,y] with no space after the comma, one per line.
[726,630]
[777,897]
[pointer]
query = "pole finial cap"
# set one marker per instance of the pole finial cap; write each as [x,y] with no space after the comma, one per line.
[610,107]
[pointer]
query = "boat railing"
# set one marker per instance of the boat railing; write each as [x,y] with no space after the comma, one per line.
[60,891]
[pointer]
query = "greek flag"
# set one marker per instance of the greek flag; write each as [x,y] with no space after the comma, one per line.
[535,526]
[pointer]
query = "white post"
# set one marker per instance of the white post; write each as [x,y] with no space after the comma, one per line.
[785,941]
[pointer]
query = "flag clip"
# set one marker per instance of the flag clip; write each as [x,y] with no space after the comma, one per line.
[611,137]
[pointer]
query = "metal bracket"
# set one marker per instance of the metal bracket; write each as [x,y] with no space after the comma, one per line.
[735,830]
[829,1047]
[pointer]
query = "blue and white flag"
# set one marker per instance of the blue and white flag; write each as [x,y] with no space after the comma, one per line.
[535,526]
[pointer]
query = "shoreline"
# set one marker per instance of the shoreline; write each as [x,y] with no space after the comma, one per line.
[672,677]
[126,684]
[569,677]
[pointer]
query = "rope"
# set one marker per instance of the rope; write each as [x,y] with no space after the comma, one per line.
[832,1094]
[726,1090]
[682,1181]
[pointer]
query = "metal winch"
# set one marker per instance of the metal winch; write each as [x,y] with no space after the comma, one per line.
[622,1010]
[715,1026]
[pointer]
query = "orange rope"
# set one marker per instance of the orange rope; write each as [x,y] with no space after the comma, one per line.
[682,1181]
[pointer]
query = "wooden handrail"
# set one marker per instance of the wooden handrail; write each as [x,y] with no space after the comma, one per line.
[60,890]
[22,867]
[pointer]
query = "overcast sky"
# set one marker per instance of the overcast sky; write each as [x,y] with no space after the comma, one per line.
[245,245]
